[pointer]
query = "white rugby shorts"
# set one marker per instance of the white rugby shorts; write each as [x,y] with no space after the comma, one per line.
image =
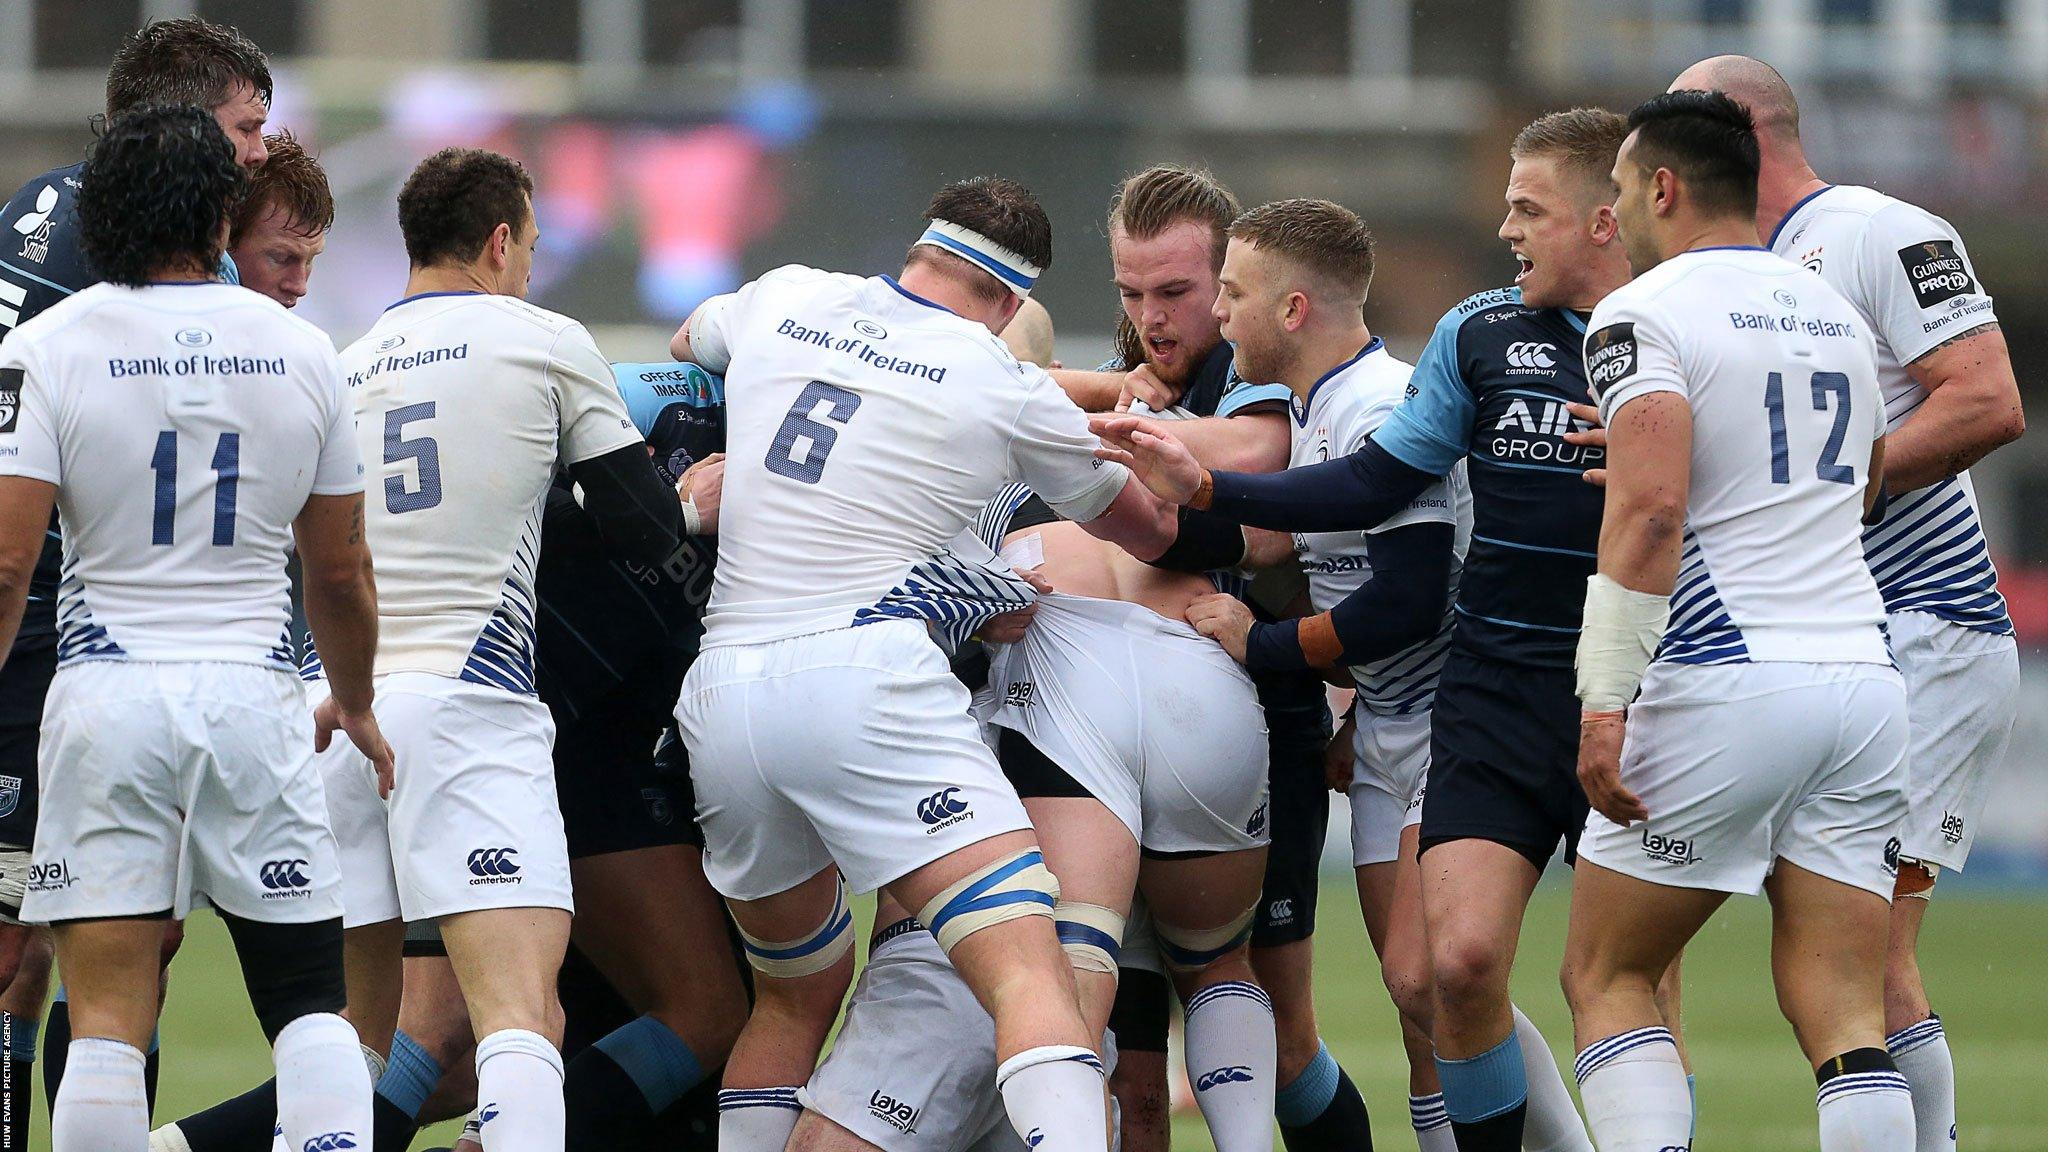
[1389,764]
[1742,765]
[473,822]
[850,747]
[168,782]
[1962,692]
[1151,717]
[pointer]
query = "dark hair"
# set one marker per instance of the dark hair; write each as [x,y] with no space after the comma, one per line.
[1708,140]
[1583,140]
[185,61]
[1326,238]
[1000,209]
[156,188]
[455,199]
[291,180]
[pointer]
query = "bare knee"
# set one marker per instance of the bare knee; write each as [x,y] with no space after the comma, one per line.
[1469,971]
[1409,988]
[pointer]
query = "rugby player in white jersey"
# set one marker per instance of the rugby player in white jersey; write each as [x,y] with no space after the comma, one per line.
[1951,398]
[1766,750]
[183,427]
[868,422]
[467,400]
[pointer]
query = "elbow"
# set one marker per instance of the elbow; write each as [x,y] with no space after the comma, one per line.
[1423,617]
[679,344]
[2013,426]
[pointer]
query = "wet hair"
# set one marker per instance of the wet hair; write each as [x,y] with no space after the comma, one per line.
[1001,209]
[455,199]
[156,189]
[291,180]
[184,61]
[1708,140]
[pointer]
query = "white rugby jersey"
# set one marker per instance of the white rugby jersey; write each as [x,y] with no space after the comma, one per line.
[466,403]
[1339,416]
[1780,374]
[184,426]
[865,428]
[1906,271]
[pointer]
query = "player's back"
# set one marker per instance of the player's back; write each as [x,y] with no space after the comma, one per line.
[1778,370]
[465,402]
[189,423]
[866,428]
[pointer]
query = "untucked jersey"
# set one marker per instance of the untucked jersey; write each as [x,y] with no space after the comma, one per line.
[1779,371]
[865,428]
[184,426]
[1490,388]
[1339,416]
[1908,274]
[466,404]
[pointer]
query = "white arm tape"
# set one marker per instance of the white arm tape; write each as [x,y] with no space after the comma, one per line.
[1617,642]
[693,520]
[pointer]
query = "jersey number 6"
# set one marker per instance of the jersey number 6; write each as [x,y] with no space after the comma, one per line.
[817,438]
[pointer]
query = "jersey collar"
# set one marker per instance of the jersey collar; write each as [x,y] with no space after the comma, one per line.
[909,295]
[1301,407]
[426,295]
[1794,211]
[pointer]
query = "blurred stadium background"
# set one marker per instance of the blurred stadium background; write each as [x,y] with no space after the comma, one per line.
[683,145]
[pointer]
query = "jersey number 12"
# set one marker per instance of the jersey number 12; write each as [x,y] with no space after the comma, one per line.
[1829,467]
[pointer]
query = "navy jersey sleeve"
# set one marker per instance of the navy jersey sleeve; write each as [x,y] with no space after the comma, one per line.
[40,263]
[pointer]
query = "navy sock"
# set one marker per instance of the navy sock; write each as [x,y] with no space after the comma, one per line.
[17,1096]
[56,1044]
[238,1124]
[1321,1110]
[615,1088]
[1487,1096]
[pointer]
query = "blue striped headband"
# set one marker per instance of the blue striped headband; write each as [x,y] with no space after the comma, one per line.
[1016,273]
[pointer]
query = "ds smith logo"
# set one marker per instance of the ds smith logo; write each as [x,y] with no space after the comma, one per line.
[494,866]
[1669,849]
[943,809]
[1228,1074]
[895,1113]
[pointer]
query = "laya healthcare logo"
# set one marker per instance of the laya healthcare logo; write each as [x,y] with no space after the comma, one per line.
[52,877]
[1228,1074]
[284,879]
[494,866]
[943,809]
[898,1114]
[1669,849]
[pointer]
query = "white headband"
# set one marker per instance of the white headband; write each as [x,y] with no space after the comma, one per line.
[1016,273]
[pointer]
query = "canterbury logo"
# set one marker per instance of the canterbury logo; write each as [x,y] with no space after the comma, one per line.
[1531,354]
[279,875]
[494,862]
[940,806]
[1228,1074]
[331,1141]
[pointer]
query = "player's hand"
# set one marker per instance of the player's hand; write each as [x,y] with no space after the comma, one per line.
[1141,383]
[363,732]
[1224,619]
[703,484]
[1593,437]
[1600,770]
[1009,627]
[1337,757]
[1159,460]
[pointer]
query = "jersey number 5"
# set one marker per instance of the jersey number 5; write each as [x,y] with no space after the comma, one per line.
[1829,467]
[422,450]
[817,438]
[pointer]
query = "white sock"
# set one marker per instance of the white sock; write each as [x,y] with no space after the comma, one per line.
[1056,1100]
[1432,1124]
[1921,1052]
[101,1105]
[323,1086]
[1552,1123]
[756,1119]
[519,1092]
[1865,1112]
[1230,1052]
[1634,1088]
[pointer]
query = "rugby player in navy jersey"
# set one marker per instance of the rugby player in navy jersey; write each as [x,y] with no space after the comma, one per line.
[1167,229]
[167,62]
[1491,388]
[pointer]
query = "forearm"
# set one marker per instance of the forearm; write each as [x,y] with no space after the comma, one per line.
[13,602]
[1256,442]
[1639,545]
[1137,521]
[342,614]
[1400,606]
[636,511]
[1948,434]
[1351,494]
[1090,391]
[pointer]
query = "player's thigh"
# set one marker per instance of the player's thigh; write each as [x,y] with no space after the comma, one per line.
[1963,691]
[1474,894]
[1623,927]
[111,976]
[507,960]
[474,819]
[651,923]
[1202,892]
[914,1066]
[1088,849]
[1827,958]
[1503,760]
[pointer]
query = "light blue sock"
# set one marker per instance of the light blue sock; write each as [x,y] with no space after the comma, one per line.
[1308,1095]
[409,1076]
[656,1058]
[19,1038]
[1692,1092]
[1484,1086]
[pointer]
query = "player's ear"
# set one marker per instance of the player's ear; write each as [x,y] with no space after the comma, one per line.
[1605,225]
[500,246]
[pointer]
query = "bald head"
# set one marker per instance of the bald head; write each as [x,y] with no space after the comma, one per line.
[1753,84]
[1029,334]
